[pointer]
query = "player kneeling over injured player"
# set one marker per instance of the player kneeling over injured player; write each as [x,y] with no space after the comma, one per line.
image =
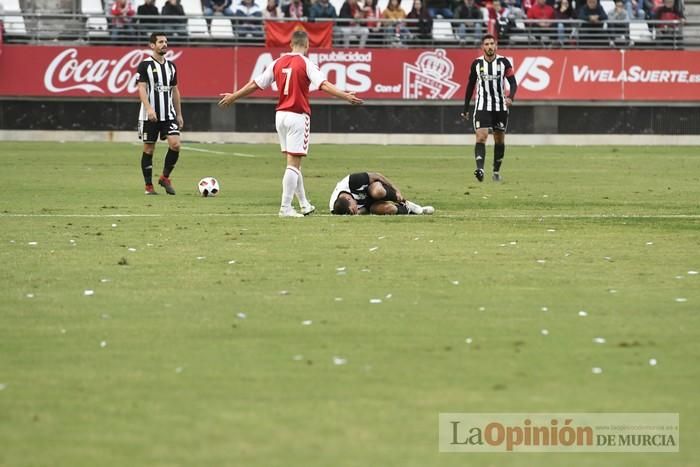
[371,193]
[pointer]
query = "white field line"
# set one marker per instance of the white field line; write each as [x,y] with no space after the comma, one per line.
[210,151]
[449,216]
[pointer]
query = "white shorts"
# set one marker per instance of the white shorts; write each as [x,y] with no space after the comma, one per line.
[293,130]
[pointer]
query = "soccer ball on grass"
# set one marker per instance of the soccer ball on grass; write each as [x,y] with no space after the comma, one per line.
[208,186]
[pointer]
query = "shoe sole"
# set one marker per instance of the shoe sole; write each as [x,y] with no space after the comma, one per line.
[168,188]
[310,212]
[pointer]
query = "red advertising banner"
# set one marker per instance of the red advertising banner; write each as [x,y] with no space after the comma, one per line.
[108,71]
[279,34]
[375,74]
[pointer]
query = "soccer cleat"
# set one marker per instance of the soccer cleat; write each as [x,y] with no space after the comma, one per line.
[496,177]
[479,174]
[150,190]
[165,183]
[289,212]
[309,209]
[413,208]
[428,210]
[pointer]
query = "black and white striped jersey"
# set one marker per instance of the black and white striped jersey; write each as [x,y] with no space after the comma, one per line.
[489,79]
[356,185]
[160,80]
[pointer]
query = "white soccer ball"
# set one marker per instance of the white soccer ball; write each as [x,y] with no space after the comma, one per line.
[208,186]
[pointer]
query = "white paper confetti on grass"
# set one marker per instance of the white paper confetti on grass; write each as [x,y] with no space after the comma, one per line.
[649,243]
[105,280]
[541,261]
[338,299]
[114,225]
[544,308]
[612,290]
[103,344]
[284,292]
[596,370]
[388,296]
[241,315]
[131,249]
[374,248]
[375,300]
[233,261]
[652,362]
[381,238]
[106,316]
[607,258]
[298,357]
[512,243]
[681,300]
[307,322]
[455,282]
[32,243]
[201,257]
[30,295]
[599,340]
[178,369]
[545,332]
[88,292]
[2,386]
[468,340]
[339,361]
[692,273]
[341,268]
[71,241]
[551,230]
[482,308]
[582,313]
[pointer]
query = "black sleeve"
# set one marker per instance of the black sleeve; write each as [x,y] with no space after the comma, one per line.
[470,86]
[358,180]
[173,81]
[510,77]
[142,73]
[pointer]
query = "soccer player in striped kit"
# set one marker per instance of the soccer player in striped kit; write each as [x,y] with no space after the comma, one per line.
[294,75]
[161,114]
[488,73]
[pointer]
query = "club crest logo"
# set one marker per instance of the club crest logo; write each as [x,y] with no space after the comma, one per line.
[429,77]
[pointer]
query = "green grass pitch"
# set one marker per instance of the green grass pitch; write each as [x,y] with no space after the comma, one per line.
[217,334]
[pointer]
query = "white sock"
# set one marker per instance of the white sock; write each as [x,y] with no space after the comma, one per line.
[289,185]
[300,192]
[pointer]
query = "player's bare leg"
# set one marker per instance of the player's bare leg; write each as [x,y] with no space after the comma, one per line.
[290,181]
[171,158]
[147,167]
[482,135]
[499,150]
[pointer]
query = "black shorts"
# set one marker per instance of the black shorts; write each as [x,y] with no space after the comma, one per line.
[150,131]
[496,120]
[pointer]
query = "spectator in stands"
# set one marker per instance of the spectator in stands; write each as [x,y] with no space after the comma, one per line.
[122,20]
[396,28]
[618,24]
[498,20]
[352,28]
[322,9]
[542,26]
[247,28]
[469,32]
[221,7]
[272,11]
[176,28]
[670,32]
[439,9]
[297,9]
[563,12]
[506,21]
[635,9]
[147,16]
[422,26]
[372,14]
[593,17]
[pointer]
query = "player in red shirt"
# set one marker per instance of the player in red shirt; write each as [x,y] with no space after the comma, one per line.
[294,74]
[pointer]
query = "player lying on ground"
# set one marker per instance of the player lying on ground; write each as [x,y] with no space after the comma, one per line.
[371,193]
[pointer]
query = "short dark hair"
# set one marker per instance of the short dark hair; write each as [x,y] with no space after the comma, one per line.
[488,36]
[154,36]
[341,206]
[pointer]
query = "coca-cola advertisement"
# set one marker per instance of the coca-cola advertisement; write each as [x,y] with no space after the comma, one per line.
[386,74]
[107,71]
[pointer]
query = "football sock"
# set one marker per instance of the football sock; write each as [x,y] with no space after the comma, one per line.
[402,209]
[480,155]
[499,151]
[147,168]
[170,161]
[289,185]
[300,192]
[390,193]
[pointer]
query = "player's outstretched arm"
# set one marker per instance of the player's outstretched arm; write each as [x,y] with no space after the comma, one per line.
[230,98]
[347,96]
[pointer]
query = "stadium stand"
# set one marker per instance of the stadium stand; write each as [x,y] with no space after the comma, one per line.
[14,21]
[96,24]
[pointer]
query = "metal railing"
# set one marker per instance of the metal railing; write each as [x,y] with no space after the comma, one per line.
[40,28]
